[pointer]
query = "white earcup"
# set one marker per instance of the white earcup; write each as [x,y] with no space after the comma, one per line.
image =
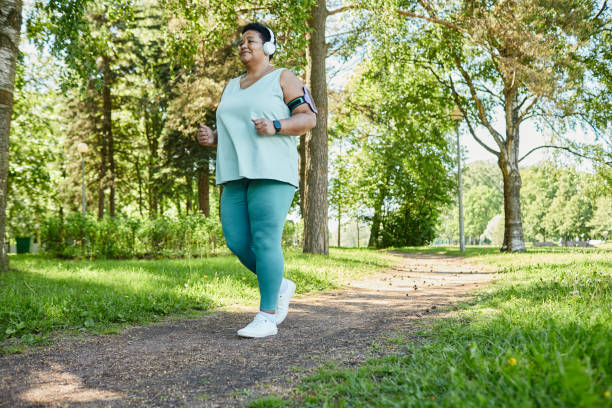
[269,47]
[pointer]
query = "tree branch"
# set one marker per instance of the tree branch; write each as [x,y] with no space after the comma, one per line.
[481,112]
[431,19]
[246,10]
[339,10]
[403,13]
[562,148]
[603,8]
[467,120]
[523,115]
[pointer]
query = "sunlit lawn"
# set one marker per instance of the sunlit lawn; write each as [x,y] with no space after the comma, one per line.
[540,336]
[41,295]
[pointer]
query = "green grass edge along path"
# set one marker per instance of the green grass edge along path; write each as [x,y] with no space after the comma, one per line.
[539,336]
[42,298]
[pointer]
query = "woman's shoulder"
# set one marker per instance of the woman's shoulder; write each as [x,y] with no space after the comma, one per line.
[288,78]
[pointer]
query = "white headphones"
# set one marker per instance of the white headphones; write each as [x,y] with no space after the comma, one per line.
[269,47]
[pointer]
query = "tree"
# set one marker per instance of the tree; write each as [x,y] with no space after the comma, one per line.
[601,223]
[86,39]
[33,150]
[481,204]
[539,189]
[524,59]
[10,29]
[403,153]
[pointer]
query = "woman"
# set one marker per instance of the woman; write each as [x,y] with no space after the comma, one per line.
[257,163]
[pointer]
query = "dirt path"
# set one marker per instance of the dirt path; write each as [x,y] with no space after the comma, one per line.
[202,363]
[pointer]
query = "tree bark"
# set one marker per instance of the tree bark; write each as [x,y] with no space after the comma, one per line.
[302,170]
[513,227]
[316,236]
[102,175]
[108,131]
[189,194]
[10,28]
[376,221]
[152,145]
[137,163]
[204,191]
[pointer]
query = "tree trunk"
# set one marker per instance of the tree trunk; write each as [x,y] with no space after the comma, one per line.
[513,227]
[137,163]
[10,28]
[204,191]
[376,220]
[152,144]
[316,237]
[108,131]
[302,170]
[357,223]
[102,175]
[189,194]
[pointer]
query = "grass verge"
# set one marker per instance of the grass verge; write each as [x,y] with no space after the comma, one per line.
[42,296]
[539,336]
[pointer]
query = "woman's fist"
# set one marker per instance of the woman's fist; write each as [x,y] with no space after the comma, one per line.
[206,136]
[264,126]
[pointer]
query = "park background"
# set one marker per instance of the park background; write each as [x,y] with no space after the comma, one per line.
[107,99]
[132,81]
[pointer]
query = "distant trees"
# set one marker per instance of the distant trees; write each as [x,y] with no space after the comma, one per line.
[399,153]
[539,60]
[558,202]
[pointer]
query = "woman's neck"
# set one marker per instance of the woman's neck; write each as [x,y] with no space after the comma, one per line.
[257,70]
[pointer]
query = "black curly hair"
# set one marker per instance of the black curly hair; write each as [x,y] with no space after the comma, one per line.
[262,30]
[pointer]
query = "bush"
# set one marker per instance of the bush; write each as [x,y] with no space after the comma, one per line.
[123,237]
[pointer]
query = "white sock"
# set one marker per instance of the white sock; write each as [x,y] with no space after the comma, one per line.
[269,316]
[284,285]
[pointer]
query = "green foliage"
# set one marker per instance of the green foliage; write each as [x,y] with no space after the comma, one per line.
[205,27]
[482,200]
[125,237]
[539,337]
[397,156]
[561,202]
[32,149]
[481,203]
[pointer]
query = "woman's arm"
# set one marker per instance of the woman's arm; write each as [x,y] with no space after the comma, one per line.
[302,118]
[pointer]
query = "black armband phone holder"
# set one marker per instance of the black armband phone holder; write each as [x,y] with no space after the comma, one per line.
[300,100]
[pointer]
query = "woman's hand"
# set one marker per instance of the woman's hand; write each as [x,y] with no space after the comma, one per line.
[264,126]
[206,136]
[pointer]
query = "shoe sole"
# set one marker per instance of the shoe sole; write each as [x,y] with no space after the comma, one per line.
[256,336]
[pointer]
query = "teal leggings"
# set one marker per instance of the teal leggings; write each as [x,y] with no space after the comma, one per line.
[253,213]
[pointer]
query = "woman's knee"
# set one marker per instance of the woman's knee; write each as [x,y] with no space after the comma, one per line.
[237,245]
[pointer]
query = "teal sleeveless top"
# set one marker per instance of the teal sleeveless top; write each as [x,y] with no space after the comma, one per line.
[241,152]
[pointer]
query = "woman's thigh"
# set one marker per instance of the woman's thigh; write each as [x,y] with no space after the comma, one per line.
[235,214]
[268,205]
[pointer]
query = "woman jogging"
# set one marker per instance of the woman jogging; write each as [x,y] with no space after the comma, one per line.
[258,117]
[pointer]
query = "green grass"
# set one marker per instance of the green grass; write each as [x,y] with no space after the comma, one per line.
[540,336]
[42,296]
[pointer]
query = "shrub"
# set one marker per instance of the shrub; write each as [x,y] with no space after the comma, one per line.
[122,236]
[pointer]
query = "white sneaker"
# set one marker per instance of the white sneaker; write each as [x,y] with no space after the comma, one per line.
[282,305]
[261,326]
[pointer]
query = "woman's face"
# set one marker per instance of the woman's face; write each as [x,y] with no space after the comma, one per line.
[251,46]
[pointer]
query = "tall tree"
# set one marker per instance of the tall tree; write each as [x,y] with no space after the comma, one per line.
[10,30]
[525,59]
[86,39]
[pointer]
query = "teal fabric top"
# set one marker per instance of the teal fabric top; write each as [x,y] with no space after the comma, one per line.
[241,152]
